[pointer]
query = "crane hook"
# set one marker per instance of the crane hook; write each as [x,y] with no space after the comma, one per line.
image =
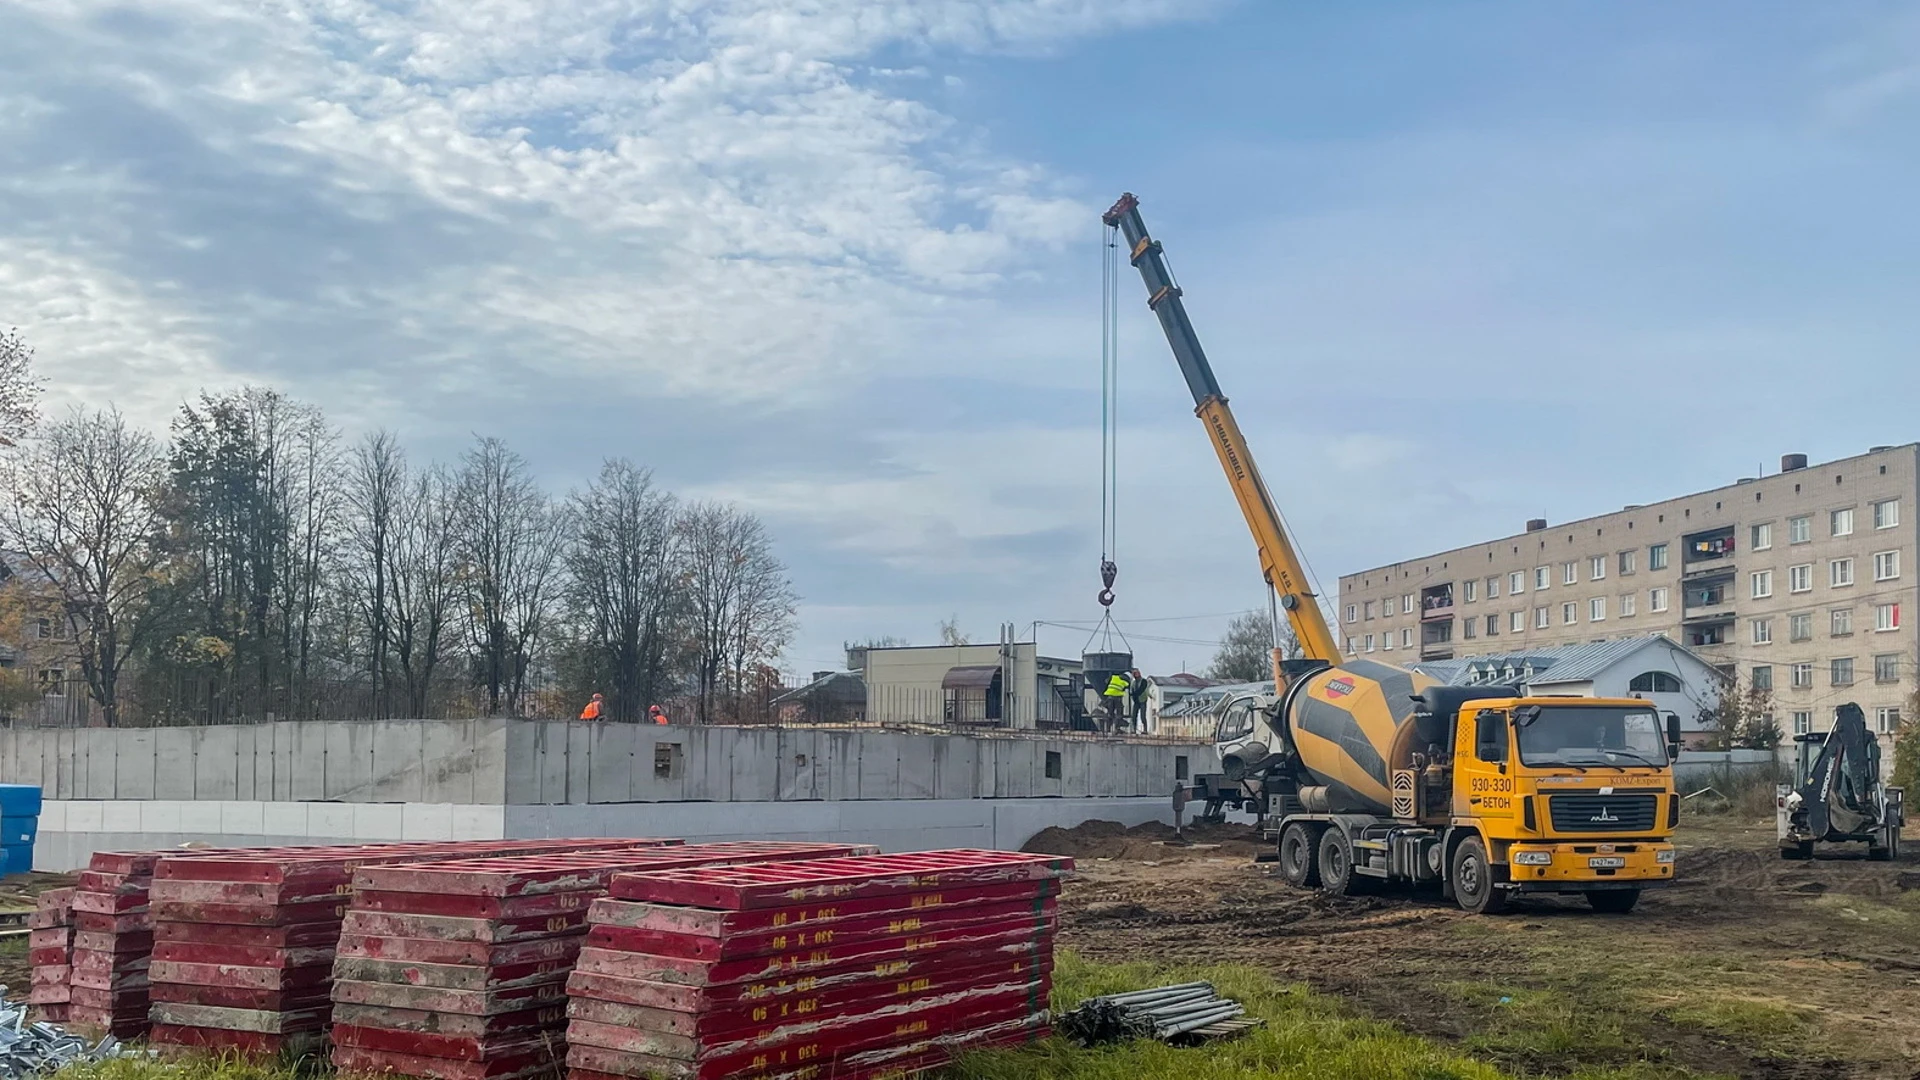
[1108,572]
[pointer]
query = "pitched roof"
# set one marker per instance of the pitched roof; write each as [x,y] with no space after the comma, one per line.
[1549,666]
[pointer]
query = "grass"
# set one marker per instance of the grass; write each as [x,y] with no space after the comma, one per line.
[1743,793]
[228,1066]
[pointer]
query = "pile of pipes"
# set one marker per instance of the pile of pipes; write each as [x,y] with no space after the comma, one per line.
[1184,1012]
[28,1049]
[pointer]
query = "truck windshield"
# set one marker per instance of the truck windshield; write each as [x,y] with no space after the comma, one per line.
[1588,736]
[1236,721]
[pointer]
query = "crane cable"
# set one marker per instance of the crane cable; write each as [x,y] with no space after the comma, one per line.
[1109,410]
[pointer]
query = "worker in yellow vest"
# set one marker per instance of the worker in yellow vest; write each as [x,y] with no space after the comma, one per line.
[1115,695]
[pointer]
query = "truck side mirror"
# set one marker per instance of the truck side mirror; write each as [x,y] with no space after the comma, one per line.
[1673,735]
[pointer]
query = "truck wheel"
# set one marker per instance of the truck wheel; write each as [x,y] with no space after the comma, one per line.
[1614,901]
[1890,851]
[1473,884]
[1299,861]
[1337,877]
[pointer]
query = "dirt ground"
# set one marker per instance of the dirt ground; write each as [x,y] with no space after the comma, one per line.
[1748,966]
[17,894]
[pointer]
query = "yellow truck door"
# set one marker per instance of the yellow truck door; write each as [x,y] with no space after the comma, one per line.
[1483,770]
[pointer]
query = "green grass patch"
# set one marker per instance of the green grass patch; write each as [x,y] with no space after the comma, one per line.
[1306,1037]
[228,1066]
[1771,1027]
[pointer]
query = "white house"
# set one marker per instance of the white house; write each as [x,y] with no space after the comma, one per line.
[1671,676]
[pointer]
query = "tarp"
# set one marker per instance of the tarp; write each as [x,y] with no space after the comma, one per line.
[970,678]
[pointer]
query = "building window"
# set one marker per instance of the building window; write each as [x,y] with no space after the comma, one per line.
[1840,522]
[1800,627]
[1626,562]
[1886,514]
[1800,676]
[1762,677]
[1516,621]
[1470,590]
[1369,612]
[1352,614]
[1840,621]
[1762,581]
[1493,625]
[53,682]
[1369,642]
[1886,719]
[1762,536]
[1386,641]
[1841,670]
[1839,573]
[1802,722]
[1493,587]
[1540,619]
[1654,682]
[1597,568]
[1657,599]
[1542,577]
[1406,638]
[1470,628]
[1763,631]
[1886,566]
[1516,583]
[1799,529]
[1569,573]
[1886,617]
[1626,605]
[1052,765]
[1597,609]
[43,629]
[1886,668]
[1800,578]
[1569,613]
[1657,557]
[1406,604]
[1353,645]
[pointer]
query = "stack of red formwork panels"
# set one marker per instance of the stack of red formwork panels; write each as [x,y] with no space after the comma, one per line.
[844,968]
[113,943]
[457,971]
[244,942]
[50,951]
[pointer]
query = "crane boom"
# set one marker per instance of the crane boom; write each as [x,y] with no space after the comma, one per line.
[1279,563]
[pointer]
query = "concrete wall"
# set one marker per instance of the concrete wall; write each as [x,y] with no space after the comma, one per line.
[510,762]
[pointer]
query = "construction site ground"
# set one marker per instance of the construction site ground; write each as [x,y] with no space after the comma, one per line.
[1748,966]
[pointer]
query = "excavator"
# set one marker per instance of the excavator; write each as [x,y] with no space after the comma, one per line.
[1365,774]
[1838,795]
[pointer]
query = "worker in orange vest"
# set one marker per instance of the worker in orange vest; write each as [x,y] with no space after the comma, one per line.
[592,711]
[658,714]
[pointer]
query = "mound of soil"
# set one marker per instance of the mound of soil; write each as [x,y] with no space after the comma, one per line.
[1151,842]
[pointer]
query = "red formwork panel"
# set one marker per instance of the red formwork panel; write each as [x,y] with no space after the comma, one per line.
[536,905]
[135,942]
[537,1060]
[240,997]
[1038,910]
[241,976]
[294,865]
[789,884]
[265,1021]
[427,1022]
[299,935]
[457,1002]
[1035,959]
[471,953]
[90,922]
[261,1043]
[711,922]
[548,872]
[204,952]
[670,969]
[451,929]
[453,976]
[440,1044]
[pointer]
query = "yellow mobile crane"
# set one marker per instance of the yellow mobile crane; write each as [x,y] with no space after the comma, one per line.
[1363,772]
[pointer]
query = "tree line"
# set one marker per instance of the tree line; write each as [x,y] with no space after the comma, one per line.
[256,563]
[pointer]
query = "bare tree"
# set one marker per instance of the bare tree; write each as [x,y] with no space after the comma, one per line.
[1246,650]
[19,390]
[83,511]
[623,583]
[740,604]
[950,632]
[509,539]
[310,508]
[421,584]
[376,487]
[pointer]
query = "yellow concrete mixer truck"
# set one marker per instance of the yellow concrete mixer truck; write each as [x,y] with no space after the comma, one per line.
[1364,773]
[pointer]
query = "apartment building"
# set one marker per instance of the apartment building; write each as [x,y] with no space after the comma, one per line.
[1801,582]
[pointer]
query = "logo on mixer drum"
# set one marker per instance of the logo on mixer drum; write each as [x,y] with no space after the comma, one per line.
[1338,688]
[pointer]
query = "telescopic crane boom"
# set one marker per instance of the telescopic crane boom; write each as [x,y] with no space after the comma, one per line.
[1279,563]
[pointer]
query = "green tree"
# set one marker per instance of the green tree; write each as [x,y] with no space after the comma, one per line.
[1906,747]
[1742,719]
[19,390]
[1246,650]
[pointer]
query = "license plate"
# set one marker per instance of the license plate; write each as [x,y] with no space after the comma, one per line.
[1607,862]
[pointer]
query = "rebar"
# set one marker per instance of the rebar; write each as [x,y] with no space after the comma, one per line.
[30,1049]
[1164,1012]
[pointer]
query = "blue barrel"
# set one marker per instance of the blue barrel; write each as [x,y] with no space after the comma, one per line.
[19,826]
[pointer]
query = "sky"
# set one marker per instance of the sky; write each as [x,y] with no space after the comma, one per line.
[1456,264]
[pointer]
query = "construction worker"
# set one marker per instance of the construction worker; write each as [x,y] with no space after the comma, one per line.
[592,711]
[656,714]
[1137,699]
[1118,686]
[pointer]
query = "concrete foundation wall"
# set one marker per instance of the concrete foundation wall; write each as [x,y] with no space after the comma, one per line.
[71,831]
[511,762]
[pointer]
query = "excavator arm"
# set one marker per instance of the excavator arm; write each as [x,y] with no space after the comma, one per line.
[1279,563]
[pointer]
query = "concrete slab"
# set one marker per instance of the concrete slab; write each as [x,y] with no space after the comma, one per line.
[426,821]
[378,821]
[243,817]
[349,749]
[117,816]
[329,819]
[98,749]
[579,761]
[201,820]
[449,753]
[611,764]
[470,822]
[285,818]
[53,815]
[753,765]
[397,761]
[158,816]
[306,760]
[84,816]
[216,762]
[245,752]
[490,764]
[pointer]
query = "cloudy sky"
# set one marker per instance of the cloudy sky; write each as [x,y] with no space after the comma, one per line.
[1457,264]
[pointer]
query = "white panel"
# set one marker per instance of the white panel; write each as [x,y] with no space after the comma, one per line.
[333,821]
[426,821]
[201,820]
[284,819]
[118,816]
[243,817]
[377,821]
[83,816]
[160,815]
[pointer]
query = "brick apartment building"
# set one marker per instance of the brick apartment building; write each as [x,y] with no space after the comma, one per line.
[1802,582]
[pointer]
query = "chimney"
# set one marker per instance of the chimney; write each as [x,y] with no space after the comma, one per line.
[1536,524]
[1792,462]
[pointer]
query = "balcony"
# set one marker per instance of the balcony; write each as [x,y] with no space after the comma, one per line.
[1436,640]
[1711,546]
[1436,602]
[1705,634]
